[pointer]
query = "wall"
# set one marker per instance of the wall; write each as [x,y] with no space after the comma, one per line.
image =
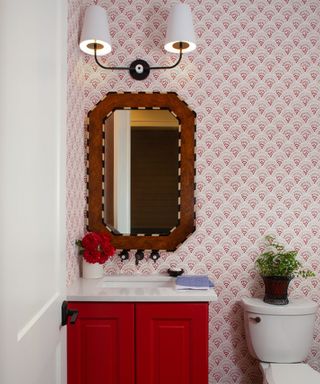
[254,84]
[75,169]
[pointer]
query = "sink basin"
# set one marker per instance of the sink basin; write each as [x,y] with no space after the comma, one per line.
[135,288]
[132,282]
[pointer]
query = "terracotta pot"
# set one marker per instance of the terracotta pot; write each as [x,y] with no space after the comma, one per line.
[276,289]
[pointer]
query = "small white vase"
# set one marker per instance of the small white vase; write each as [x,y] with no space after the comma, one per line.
[91,271]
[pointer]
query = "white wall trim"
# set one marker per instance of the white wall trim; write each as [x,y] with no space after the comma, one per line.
[23,331]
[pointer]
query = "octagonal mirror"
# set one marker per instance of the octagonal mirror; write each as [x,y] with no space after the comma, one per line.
[141,170]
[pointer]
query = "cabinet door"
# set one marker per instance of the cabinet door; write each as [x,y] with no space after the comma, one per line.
[172,343]
[101,344]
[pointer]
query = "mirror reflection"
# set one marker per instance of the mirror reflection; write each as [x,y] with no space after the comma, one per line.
[141,171]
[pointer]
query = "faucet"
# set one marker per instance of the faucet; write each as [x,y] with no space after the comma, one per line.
[139,256]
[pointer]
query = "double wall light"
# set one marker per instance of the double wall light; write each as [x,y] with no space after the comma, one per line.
[95,38]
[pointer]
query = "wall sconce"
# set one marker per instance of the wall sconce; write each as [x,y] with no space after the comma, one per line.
[95,38]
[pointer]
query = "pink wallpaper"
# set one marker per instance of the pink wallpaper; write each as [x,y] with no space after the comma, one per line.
[254,84]
[76,188]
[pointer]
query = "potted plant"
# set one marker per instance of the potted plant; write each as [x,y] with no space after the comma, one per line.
[278,267]
[96,249]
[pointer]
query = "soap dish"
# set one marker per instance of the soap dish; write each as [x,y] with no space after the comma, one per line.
[174,272]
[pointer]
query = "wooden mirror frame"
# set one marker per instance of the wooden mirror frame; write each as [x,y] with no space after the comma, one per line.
[95,163]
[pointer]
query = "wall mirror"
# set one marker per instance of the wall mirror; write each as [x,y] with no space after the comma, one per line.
[141,170]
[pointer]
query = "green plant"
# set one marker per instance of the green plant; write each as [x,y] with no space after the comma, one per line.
[276,261]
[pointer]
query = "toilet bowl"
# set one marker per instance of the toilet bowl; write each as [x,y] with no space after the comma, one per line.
[275,373]
[280,337]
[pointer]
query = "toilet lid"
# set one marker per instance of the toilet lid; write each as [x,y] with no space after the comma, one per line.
[292,373]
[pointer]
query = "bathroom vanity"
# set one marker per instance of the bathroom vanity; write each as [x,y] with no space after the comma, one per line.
[137,330]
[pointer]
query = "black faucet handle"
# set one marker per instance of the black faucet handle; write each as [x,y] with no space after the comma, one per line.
[124,255]
[154,255]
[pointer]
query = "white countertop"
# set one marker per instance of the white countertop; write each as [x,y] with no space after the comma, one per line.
[139,288]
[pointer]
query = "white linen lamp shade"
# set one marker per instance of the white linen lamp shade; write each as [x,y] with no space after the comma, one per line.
[180,30]
[95,30]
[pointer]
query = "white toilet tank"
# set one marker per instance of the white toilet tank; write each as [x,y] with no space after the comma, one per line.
[279,333]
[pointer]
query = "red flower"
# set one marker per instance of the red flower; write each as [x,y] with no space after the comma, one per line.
[106,245]
[91,241]
[91,256]
[97,247]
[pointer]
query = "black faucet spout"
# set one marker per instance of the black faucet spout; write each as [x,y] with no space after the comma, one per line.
[139,256]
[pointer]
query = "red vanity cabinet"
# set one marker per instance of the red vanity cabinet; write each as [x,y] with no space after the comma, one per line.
[138,343]
[100,345]
[172,343]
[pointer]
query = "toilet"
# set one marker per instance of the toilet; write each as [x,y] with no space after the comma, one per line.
[280,337]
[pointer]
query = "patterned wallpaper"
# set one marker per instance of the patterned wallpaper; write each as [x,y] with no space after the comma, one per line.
[76,172]
[254,83]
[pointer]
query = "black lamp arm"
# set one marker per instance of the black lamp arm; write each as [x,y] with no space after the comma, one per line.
[173,65]
[102,66]
[139,69]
